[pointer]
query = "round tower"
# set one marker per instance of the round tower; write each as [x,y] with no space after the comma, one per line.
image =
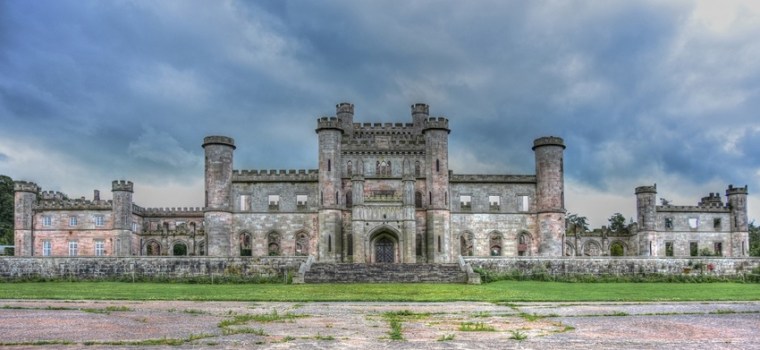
[438,232]
[646,212]
[420,114]
[218,173]
[345,113]
[550,194]
[25,198]
[330,136]
[737,202]
[122,216]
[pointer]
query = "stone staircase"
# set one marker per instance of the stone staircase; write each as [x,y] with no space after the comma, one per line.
[384,273]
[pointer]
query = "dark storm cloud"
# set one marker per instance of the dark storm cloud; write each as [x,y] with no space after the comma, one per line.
[639,91]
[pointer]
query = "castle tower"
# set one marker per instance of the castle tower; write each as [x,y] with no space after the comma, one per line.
[122,217]
[420,114]
[218,212]
[646,212]
[25,198]
[737,202]
[345,113]
[330,134]
[550,194]
[436,132]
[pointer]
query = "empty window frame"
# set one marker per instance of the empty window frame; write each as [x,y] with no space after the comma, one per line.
[100,248]
[46,248]
[245,202]
[494,203]
[523,203]
[717,224]
[718,248]
[301,201]
[135,227]
[668,248]
[668,223]
[274,201]
[693,248]
[693,223]
[465,202]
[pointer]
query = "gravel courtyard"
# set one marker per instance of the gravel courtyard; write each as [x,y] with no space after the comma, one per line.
[47,324]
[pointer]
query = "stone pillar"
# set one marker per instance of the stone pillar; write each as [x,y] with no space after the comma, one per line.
[330,135]
[439,241]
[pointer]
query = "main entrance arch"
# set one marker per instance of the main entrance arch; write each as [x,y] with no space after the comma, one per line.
[384,246]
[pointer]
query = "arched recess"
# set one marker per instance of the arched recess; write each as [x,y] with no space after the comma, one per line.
[384,245]
[349,199]
[466,244]
[179,248]
[569,249]
[245,240]
[202,248]
[524,243]
[302,243]
[618,248]
[273,243]
[418,200]
[152,248]
[592,248]
[495,243]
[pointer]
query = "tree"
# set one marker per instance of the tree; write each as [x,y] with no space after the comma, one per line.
[6,210]
[617,222]
[575,223]
[754,239]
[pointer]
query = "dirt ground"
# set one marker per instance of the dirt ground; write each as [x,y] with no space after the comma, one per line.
[47,324]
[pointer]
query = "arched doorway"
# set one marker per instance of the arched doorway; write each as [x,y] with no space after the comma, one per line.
[384,246]
[245,244]
[523,244]
[302,244]
[466,243]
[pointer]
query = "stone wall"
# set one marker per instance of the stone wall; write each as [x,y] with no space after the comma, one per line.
[616,266]
[149,268]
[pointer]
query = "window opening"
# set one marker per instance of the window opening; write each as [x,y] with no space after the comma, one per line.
[693,223]
[668,248]
[73,248]
[523,203]
[693,249]
[717,224]
[418,200]
[246,248]
[718,248]
[301,201]
[668,223]
[99,248]
[72,221]
[245,202]
[349,199]
[494,203]
[46,248]
[274,202]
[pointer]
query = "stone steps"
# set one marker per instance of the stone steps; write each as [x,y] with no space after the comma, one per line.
[384,273]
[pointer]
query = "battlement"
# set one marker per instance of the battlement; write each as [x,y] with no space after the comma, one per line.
[548,141]
[646,189]
[122,185]
[477,178]
[692,209]
[218,140]
[344,107]
[25,186]
[53,195]
[736,190]
[421,108]
[440,123]
[712,200]
[169,212]
[72,204]
[325,123]
[291,175]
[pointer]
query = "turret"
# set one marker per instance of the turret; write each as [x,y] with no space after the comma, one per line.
[218,174]
[330,135]
[122,216]
[345,113]
[25,198]
[550,194]
[737,202]
[420,114]
[646,211]
[439,242]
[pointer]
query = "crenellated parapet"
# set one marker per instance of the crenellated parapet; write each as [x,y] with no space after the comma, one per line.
[437,123]
[468,178]
[172,212]
[291,175]
[218,140]
[712,200]
[646,189]
[25,186]
[691,209]
[72,204]
[53,196]
[122,186]
[736,190]
[326,123]
[548,141]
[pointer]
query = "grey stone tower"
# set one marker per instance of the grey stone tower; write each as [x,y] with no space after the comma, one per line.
[23,219]
[646,212]
[218,212]
[345,114]
[436,132]
[122,216]
[737,202]
[550,194]
[330,215]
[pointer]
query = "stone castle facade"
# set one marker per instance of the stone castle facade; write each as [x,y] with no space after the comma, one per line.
[382,193]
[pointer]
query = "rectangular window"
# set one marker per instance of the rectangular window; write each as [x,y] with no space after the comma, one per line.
[523,203]
[245,202]
[46,248]
[135,227]
[301,201]
[73,248]
[465,203]
[72,221]
[668,248]
[718,248]
[494,203]
[668,223]
[100,248]
[693,223]
[47,221]
[274,202]
[693,248]
[717,224]
[99,220]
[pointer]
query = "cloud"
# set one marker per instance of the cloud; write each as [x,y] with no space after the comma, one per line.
[161,148]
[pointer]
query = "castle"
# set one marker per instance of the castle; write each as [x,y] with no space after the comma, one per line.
[383,193]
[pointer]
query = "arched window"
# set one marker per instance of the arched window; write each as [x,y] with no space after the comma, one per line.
[349,168]
[466,241]
[179,249]
[377,168]
[417,199]
[523,244]
[273,243]
[349,199]
[302,244]
[417,168]
[494,241]
[201,248]
[388,169]
[245,244]
[153,248]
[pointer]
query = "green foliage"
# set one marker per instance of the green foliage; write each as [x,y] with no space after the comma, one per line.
[7,203]
[447,337]
[617,222]
[754,239]
[576,223]
[616,249]
[476,327]
[518,335]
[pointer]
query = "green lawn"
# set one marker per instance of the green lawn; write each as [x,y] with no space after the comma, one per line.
[505,291]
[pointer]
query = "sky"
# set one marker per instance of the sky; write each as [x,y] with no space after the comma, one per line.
[643,92]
